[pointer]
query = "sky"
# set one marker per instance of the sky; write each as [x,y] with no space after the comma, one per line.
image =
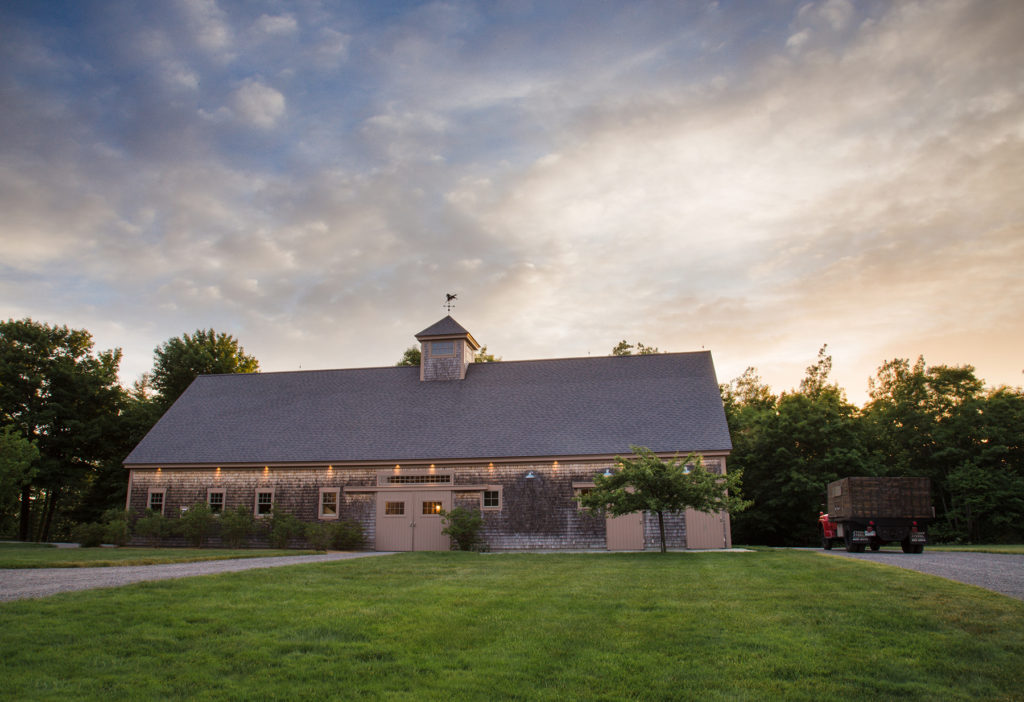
[753,178]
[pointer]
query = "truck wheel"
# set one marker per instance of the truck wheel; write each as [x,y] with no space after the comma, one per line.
[826,543]
[875,545]
[918,548]
[850,546]
[908,547]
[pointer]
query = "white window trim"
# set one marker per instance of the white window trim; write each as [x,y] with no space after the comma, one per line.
[501,498]
[256,502]
[163,498]
[320,503]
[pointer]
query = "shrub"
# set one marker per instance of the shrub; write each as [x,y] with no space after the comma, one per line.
[236,526]
[463,525]
[154,526]
[320,536]
[89,535]
[116,529]
[197,523]
[284,527]
[347,535]
[116,532]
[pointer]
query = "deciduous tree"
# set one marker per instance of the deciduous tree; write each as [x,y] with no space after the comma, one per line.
[180,360]
[624,348]
[64,397]
[650,483]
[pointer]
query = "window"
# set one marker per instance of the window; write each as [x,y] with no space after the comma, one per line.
[442,348]
[395,509]
[491,499]
[431,508]
[155,501]
[329,503]
[264,502]
[215,499]
[418,479]
[580,492]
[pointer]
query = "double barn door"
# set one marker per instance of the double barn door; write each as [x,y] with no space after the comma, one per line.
[411,520]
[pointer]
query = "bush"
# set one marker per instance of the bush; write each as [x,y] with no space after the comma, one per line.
[284,527]
[463,525]
[116,529]
[320,535]
[236,526]
[116,532]
[154,526]
[197,523]
[89,535]
[347,535]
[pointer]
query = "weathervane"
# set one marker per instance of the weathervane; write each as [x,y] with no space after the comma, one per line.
[450,301]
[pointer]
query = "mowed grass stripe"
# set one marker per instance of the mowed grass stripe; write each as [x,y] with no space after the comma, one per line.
[525,626]
[32,556]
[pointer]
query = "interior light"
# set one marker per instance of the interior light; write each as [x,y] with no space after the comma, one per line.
[530,475]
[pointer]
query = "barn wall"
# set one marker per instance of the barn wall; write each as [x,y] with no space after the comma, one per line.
[535,513]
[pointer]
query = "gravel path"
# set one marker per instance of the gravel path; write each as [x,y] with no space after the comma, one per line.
[22,583]
[1000,572]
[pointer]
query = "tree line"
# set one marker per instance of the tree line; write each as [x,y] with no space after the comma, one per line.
[939,422]
[66,425]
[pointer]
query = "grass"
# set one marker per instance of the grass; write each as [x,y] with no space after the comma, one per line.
[32,556]
[763,625]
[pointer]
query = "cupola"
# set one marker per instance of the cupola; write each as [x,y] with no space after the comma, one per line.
[446,350]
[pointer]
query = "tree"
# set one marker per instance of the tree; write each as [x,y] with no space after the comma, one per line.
[789,448]
[180,360]
[648,483]
[624,348]
[411,357]
[17,457]
[937,421]
[60,395]
[482,356]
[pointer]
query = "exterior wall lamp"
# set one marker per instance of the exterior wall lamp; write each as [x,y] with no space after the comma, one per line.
[530,475]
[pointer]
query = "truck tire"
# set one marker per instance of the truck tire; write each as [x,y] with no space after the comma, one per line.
[850,546]
[909,547]
[826,543]
[875,545]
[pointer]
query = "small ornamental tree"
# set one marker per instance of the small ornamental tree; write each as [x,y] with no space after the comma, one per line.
[649,483]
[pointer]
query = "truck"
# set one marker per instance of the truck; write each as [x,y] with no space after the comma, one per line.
[874,511]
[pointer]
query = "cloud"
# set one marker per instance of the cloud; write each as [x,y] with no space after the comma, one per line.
[210,26]
[271,25]
[257,104]
[757,182]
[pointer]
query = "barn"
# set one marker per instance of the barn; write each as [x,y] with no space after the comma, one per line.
[391,447]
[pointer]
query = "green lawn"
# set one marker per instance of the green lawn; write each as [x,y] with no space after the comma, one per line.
[438,626]
[39,556]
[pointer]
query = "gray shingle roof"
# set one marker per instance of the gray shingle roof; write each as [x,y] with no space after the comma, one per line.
[445,327]
[562,407]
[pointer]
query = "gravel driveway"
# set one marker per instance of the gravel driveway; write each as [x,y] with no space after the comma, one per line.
[22,583]
[1000,572]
